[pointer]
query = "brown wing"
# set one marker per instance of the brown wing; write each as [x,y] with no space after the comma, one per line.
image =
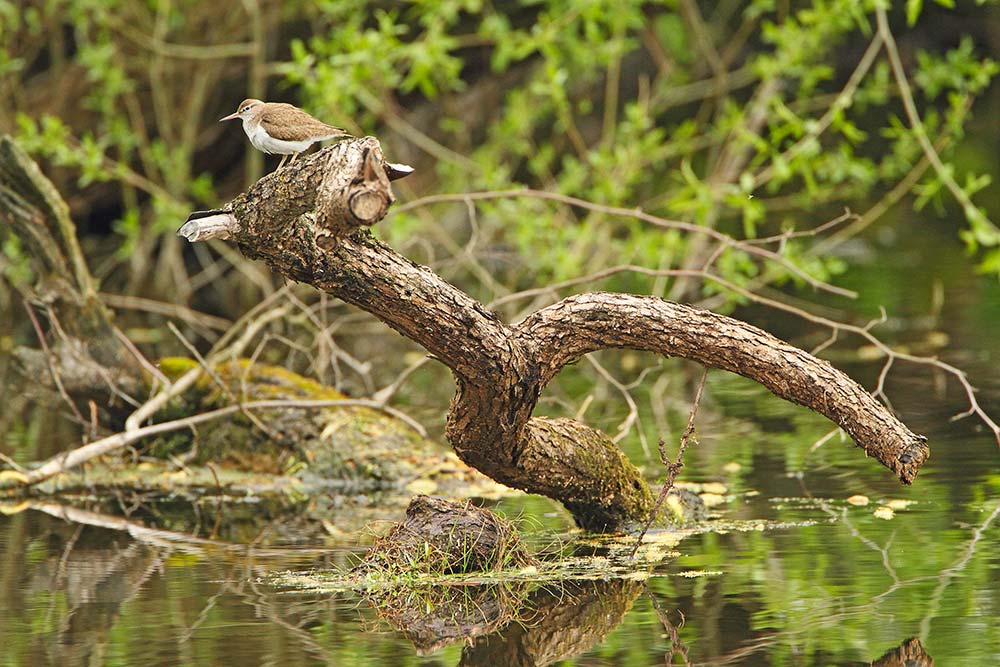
[288,123]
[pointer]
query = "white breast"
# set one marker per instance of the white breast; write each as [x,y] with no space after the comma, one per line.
[262,141]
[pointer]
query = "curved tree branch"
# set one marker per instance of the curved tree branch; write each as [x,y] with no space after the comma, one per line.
[301,221]
[586,323]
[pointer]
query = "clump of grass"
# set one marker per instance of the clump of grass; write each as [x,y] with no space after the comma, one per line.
[440,538]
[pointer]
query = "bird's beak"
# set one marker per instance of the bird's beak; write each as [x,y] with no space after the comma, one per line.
[230,116]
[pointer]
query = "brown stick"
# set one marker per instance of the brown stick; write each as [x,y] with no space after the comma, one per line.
[675,467]
[500,370]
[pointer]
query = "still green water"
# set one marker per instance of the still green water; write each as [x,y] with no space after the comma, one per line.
[825,583]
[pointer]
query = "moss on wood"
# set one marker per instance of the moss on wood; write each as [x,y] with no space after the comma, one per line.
[356,445]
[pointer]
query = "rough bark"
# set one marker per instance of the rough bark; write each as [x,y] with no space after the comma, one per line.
[908,654]
[500,370]
[589,322]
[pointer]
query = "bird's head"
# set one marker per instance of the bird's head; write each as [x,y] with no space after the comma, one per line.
[246,107]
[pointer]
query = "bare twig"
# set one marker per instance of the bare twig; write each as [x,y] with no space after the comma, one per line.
[186,381]
[362,369]
[50,359]
[262,312]
[971,210]
[632,418]
[184,51]
[672,468]
[642,270]
[140,357]
[14,465]
[823,440]
[387,392]
[175,310]
[219,382]
[99,369]
[703,41]
[637,214]
[412,134]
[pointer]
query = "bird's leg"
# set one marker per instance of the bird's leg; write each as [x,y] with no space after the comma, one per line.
[294,155]
[282,163]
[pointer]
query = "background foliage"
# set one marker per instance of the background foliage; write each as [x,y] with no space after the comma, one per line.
[748,118]
[728,114]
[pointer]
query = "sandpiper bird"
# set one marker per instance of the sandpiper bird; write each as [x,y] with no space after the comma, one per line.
[276,127]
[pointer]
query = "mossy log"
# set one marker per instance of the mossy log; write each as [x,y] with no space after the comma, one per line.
[308,450]
[347,447]
[290,220]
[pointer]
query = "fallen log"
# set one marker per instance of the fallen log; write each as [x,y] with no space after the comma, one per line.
[303,222]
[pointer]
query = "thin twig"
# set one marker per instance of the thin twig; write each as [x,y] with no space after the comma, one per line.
[385,393]
[99,369]
[186,381]
[672,468]
[50,359]
[140,357]
[362,369]
[591,277]
[219,382]
[632,418]
[181,312]
[422,141]
[636,214]
[971,210]
[14,465]
[180,51]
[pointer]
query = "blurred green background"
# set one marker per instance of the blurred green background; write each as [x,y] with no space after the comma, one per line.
[750,118]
